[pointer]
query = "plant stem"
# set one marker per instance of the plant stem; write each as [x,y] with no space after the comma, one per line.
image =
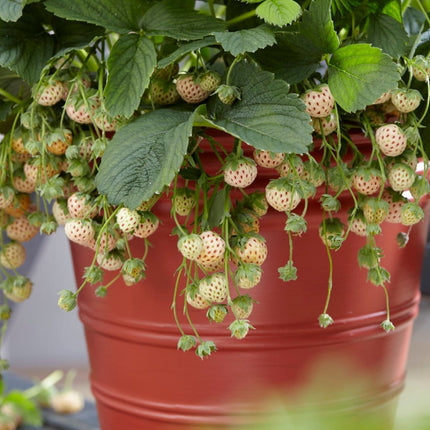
[241,18]
[9,96]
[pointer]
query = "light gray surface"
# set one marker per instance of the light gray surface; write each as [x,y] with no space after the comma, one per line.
[40,334]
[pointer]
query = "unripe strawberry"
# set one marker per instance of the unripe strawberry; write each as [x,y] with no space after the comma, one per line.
[248,275]
[367,181]
[242,306]
[227,94]
[60,212]
[401,177]
[325,126]
[12,255]
[184,201]
[420,68]
[147,225]
[217,313]
[210,81]
[36,173]
[411,214]
[268,159]
[405,100]
[374,210]
[240,172]
[50,93]
[391,140]
[281,195]
[190,246]
[213,288]
[319,101]
[20,290]
[21,230]
[190,90]
[127,219]
[79,231]
[213,248]
[163,92]
[79,206]
[331,232]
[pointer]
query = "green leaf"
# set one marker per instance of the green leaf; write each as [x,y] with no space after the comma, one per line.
[388,34]
[250,40]
[130,64]
[217,209]
[315,37]
[279,12]
[10,10]
[121,17]
[266,117]
[143,156]
[26,47]
[185,49]
[394,9]
[359,74]
[165,19]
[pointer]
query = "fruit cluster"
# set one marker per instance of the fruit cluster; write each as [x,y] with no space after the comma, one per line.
[55,147]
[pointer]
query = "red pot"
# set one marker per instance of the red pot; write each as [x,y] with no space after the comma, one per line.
[141,381]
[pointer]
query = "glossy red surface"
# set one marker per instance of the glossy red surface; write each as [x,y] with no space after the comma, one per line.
[141,381]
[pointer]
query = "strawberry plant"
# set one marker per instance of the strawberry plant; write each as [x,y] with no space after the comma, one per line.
[108,109]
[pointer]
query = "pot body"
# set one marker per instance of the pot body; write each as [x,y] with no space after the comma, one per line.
[352,368]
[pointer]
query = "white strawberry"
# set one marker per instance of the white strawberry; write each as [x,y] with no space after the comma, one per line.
[268,159]
[190,90]
[281,195]
[384,97]
[239,172]
[127,219]
[420,68]
[50,93]
[79,231]
[213,288]
[319,101]
[21,230]
[190,246]
[12,255]
[252,250]
[213,248]
[405,100]
[109,261]
[367,181]
[401,177]
[325,126]
[80,206]
[391,140]
[147,225]
[395,203]
[60,213]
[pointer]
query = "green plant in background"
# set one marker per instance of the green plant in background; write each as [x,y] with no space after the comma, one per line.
[105,104]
